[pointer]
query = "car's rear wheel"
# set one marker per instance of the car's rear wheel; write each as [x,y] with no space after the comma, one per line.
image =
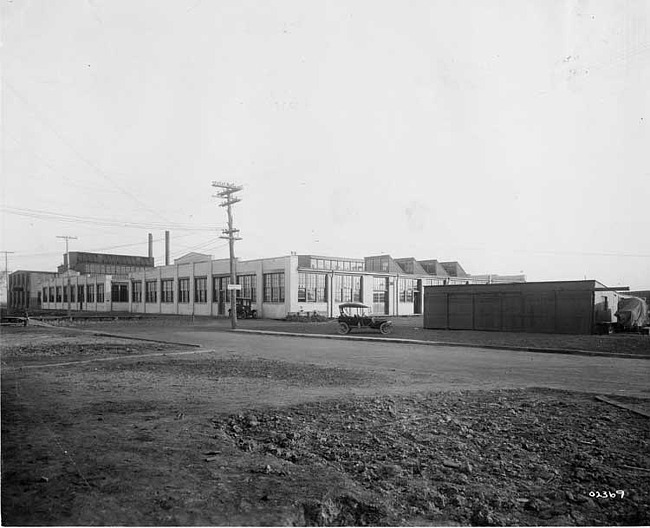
[344,328]
[386,328]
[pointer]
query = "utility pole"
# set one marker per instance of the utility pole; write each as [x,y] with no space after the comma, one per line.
[67,258]
[227,192]
[7,275]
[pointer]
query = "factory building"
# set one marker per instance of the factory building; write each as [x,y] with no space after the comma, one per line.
[196,284]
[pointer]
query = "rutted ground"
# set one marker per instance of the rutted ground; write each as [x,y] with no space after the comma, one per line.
[488,458]
[151,441]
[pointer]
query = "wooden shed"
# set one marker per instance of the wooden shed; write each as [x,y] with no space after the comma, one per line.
[565,307]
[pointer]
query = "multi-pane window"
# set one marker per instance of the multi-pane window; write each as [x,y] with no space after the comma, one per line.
[100,293]
[379,292]
[72,290]
[378,297]
[58,294]
[215,289]
[274,287]
[136,291]
[51,294]
[431,282]
[377,264]
[151,291]
[347,288]
[167,290]
[44,294]
[406,288]
[80,293]
[200,289]
[65,294]
[91,293]
[120,293]
[220,291]
[336,264]
[248,287]
[311,287]
[184,290]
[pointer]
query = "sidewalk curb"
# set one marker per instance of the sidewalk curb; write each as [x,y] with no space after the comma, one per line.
[446,344]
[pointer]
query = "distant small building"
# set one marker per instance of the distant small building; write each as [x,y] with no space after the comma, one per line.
[25,289]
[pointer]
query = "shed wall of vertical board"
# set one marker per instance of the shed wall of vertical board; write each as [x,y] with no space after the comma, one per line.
[512,312]
[435,310]
[488,312]
[461,311]
[557,307]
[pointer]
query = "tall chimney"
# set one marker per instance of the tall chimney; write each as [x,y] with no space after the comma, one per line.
[150,245]
[166,248]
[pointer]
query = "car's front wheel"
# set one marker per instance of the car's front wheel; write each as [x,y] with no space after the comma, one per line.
[344,328]
[386,328]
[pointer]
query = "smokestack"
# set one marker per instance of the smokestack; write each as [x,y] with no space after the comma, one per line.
[166,248]
[150,245]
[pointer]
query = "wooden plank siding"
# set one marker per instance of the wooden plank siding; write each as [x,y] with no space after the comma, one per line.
[565,307]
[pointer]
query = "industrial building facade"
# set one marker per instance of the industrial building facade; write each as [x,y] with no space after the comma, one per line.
[197,285]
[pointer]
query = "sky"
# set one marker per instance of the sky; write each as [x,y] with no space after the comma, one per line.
[511,136]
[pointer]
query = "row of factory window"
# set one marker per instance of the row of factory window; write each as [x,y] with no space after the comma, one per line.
[107,269]
[84,293]
[312,287]
[273,290]
[336,264]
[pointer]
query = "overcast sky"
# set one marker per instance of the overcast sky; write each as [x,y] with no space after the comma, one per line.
[511,136]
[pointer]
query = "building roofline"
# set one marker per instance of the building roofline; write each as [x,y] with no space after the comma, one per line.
[33,271]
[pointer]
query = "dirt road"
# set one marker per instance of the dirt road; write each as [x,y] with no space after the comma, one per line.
[254,430]
[424,367]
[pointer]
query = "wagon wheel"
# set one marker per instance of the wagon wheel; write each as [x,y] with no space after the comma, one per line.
[386,328]
[344,328]
[254,314]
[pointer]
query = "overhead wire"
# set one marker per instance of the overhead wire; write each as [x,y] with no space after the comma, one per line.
[80,156]
[96,250]
[61,217]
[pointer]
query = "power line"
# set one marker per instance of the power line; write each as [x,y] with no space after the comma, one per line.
[77,153]
[59,173]
[205,245]
[105,222]
[97,250]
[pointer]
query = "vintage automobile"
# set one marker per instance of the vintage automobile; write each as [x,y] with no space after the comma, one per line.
[357,315]
[244,310]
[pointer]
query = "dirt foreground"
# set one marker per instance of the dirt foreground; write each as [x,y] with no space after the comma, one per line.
[106,431]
